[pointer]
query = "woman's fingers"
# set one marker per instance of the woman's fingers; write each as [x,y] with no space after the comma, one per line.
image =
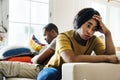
[97,17]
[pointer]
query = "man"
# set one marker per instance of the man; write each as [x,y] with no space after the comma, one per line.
[27,70]
[50,33]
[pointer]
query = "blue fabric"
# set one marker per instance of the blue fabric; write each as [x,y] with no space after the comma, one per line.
[49,74]
[17,51]
[14,50]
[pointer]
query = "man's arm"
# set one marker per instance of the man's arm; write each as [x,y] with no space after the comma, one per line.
[45,55]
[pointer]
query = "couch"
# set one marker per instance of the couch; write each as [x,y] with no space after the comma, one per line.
[87,71]
[90,71]
[19,79]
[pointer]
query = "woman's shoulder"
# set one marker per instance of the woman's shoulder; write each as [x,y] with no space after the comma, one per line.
[68,33]
[96,38]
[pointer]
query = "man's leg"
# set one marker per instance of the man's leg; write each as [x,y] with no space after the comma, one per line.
[1,76]
[18,69]
[30,70]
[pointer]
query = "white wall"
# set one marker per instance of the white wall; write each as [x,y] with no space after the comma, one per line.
[0,12]
[64,11]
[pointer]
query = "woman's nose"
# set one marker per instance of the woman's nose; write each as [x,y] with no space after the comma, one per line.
[90,32]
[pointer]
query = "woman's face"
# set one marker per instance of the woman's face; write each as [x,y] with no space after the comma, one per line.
[87,29]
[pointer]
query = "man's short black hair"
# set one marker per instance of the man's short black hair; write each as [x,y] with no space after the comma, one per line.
[51,26]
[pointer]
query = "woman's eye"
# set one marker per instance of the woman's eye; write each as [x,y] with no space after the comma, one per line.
[88,25]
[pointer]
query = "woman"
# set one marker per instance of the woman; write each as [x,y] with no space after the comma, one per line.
[77,45]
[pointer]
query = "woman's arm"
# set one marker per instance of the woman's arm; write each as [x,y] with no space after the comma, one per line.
[110,49]
[68,56]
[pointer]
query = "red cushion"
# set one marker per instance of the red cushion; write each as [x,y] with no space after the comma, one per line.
[21,59]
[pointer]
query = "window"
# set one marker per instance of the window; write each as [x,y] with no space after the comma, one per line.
[27,17]
[114,24]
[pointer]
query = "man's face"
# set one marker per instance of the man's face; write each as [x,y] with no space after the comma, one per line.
[48,36]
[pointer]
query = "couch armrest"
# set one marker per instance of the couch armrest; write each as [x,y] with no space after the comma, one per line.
[90,71]
[19,79]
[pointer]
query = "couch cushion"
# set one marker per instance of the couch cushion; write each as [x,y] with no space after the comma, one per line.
[19,79]
[20,59]
[90,71]
[35,44]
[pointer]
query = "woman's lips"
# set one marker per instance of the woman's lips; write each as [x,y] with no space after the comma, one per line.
[86,37]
